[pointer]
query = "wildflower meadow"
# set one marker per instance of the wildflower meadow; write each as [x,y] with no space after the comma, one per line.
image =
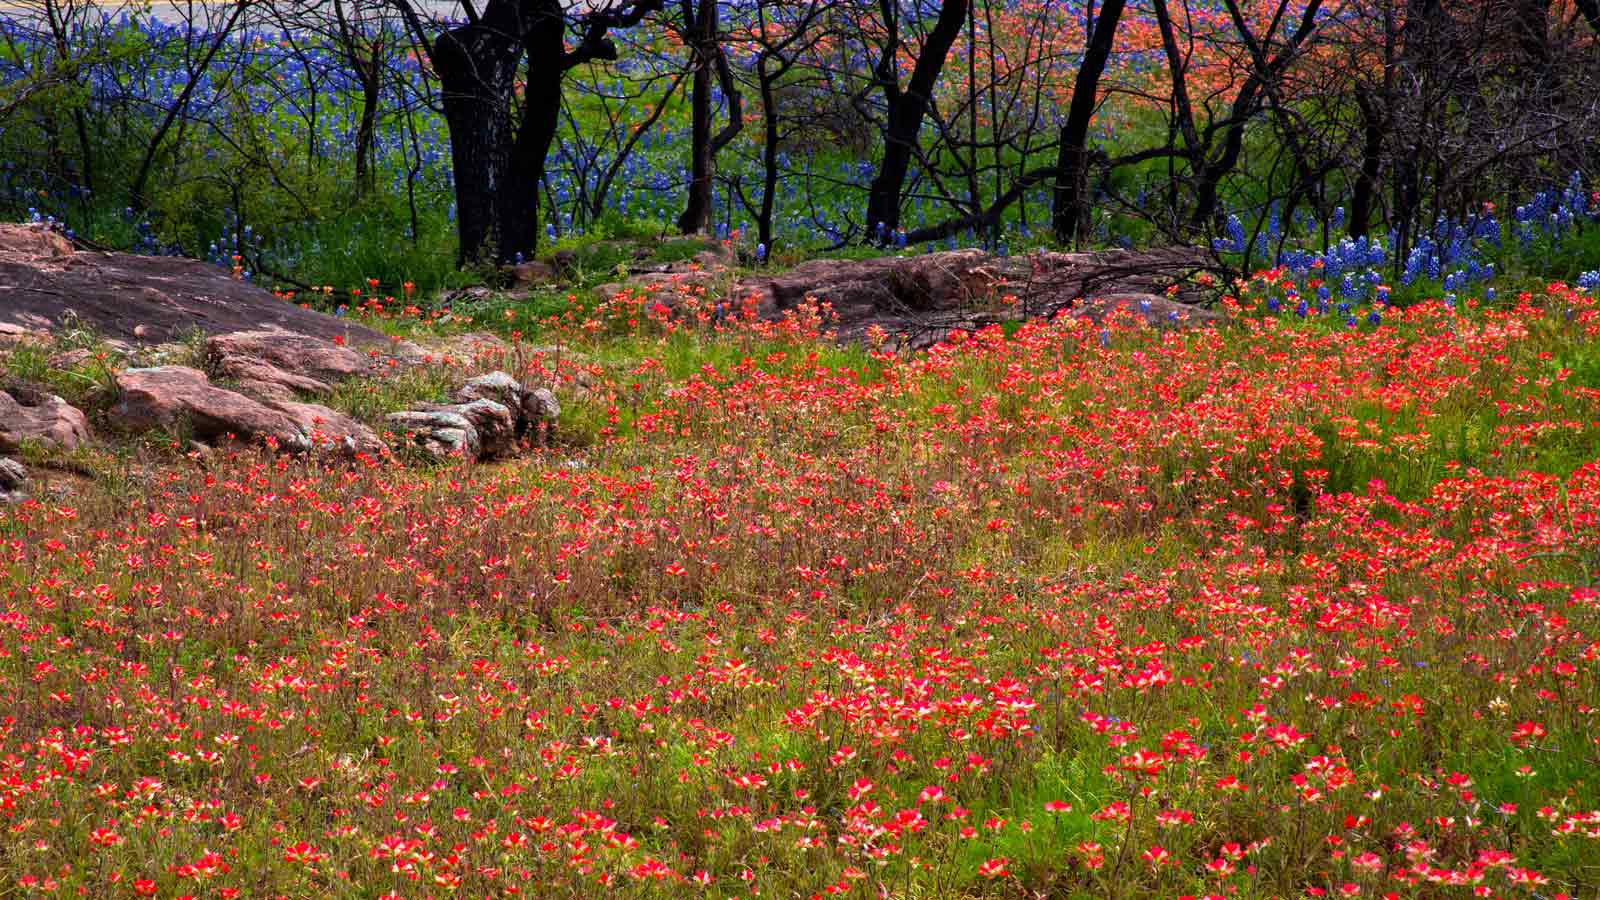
[1283,607]
[1278,577]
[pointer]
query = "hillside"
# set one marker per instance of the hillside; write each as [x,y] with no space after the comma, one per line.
[1267,605]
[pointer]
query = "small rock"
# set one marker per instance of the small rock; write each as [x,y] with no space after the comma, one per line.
[13,481]
[495,424]
[565,262]
[27,414]
[497,386]
[440,434]
[536,272]
[12,474]
[541,405]
[711,259]
[529,409]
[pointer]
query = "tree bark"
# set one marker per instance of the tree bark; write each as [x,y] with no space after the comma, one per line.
[769,151]
[1364,198]
[701,25]
[477,67]
[906,108]
[366,131]
[1068,206]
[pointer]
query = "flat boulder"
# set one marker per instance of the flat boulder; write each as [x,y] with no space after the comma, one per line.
[311,359]
[259,378]
[177,397]
[30,415]
[44,283]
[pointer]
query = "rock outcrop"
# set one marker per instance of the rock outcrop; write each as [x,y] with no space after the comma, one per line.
[919,299]
[45,283]
[180,398]
[31,415]
[440,434]
[283,364]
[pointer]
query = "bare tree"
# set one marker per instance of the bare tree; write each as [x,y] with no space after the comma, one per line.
[784,33]
[499,137]
[701,34]
[905,106]
[1068,210]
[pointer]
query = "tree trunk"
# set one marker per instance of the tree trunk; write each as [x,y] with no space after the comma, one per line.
[518,202]
[906,111]
[769,153]
[366,131]
[1068,211]
[498,162]
[1364,197]
[696,215]
[477,67]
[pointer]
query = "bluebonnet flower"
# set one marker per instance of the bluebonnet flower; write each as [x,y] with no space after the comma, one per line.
[1235,242]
